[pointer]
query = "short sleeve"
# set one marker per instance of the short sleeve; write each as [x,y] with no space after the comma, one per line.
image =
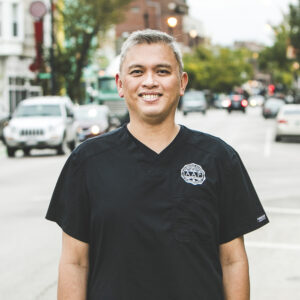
[240,208]
[69,205]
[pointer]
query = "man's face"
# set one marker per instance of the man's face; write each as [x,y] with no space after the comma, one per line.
[150,82]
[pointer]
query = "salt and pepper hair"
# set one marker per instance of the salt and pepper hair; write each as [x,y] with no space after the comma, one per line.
[149,36]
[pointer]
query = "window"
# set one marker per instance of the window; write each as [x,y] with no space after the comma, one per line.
[135,9]
[15,19]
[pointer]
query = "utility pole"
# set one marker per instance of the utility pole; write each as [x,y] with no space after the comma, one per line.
[52,62]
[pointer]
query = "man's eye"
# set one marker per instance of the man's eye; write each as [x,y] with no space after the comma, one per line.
[136,72]
[163,71]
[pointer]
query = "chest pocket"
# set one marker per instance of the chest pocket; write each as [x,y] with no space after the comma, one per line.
[192,219]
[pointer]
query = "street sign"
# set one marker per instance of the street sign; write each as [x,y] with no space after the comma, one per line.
[44,75]
[38,9]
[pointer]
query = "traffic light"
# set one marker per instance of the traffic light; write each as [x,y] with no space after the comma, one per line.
[271,89]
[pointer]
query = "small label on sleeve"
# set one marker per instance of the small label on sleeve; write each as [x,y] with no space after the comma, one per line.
[261,218]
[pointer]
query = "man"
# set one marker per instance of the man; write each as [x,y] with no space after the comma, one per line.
[153,210]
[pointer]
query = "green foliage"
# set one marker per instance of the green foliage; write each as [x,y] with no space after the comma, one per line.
[273,59]
[78,24]
[217,69]
[294,24]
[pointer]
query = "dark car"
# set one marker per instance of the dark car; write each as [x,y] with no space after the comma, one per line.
[271,107]
[236,102]
[92,120]
[194,101]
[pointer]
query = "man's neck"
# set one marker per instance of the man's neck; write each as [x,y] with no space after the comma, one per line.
[156,137]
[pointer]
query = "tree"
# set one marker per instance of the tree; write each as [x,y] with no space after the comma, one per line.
[294,24]
[273,59]
[78,25]
[218,69]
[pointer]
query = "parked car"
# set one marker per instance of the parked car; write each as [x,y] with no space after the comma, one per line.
[235,102]
[92,120]
[256,100]
[39,123]
[221,101]
[288,122]
[4,117]
[194,101]
[271,107]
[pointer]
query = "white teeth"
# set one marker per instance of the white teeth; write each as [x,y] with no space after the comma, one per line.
[150,97]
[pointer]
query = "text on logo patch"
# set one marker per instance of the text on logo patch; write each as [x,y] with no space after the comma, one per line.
[193,174]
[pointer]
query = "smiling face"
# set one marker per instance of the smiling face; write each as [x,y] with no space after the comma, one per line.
[151,83]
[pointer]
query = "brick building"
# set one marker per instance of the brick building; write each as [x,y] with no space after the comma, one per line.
[154,14]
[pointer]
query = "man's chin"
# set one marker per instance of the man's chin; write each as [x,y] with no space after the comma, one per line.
[154,117]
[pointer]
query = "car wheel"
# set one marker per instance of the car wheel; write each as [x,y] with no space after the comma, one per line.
[277,138]
[204,112]
[10,151]
[229,111]
[185,113]
[72,145]
[26,152]
[63,147]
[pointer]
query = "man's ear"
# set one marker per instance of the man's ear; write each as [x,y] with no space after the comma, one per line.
[119,84]
[183,83]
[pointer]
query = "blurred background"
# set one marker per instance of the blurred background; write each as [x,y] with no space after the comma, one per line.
[58,59]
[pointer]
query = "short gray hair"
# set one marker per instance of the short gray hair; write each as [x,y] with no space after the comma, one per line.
[149,36]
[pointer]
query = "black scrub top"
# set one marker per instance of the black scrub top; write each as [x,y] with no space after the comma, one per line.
[154,222]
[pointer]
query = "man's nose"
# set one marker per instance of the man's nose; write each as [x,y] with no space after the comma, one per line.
[149,80]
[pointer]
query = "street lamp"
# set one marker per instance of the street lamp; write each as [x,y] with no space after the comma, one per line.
[193,40]
[193,33]
[172,23]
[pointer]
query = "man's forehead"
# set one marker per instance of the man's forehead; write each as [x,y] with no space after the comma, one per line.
[161,55]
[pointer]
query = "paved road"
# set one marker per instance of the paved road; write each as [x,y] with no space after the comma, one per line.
[30,245]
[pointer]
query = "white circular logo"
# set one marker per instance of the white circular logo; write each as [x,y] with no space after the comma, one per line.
[193,173]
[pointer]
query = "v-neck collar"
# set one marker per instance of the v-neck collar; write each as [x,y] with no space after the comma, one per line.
[151,154]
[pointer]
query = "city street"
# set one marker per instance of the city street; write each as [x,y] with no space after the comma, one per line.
[30,245]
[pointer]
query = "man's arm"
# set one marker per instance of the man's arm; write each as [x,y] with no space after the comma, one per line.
[73,269]
[235,269]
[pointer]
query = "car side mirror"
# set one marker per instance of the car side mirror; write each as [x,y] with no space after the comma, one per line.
[70,115]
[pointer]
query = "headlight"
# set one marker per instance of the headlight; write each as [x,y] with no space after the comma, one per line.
[57,129]
[51,128]
[95,129]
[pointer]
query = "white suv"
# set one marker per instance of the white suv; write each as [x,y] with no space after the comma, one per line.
[41,122]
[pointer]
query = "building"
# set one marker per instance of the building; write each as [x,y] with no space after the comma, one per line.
[17,52]
[154,14]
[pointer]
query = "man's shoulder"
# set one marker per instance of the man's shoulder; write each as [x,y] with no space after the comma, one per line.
[209,143]
[97,145]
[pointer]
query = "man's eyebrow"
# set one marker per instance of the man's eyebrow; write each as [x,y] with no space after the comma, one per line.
[168,66]
[135,66]
[164,66]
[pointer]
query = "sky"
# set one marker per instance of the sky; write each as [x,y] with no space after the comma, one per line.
[226,21]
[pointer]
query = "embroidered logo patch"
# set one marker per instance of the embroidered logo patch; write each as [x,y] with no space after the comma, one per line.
[193,174]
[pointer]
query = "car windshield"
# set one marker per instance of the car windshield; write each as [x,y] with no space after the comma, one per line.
[274,102]
[292,112]
[38,110]
[89,114]
[194,97]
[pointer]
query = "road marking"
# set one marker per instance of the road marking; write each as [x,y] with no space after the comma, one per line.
[281,210]
[281,246]
[268,142]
